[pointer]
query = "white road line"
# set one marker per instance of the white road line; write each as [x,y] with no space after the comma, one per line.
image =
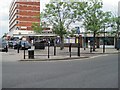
[99,56]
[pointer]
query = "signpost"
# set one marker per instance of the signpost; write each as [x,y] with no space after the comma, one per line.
[70,48]
[78,32]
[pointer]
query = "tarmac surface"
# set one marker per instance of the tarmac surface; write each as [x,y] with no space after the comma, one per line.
[90,70]
[97,72]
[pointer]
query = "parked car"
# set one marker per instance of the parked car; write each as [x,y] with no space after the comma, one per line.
[3,45]
[15,44]
[27,45]
[10,44]
[40,44]
[20,44]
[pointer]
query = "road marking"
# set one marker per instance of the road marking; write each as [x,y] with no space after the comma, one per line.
[98,56]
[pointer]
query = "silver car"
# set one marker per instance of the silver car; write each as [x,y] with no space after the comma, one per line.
[3,45]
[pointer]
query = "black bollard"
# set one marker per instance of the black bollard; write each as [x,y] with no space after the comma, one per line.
[54,48]
[104,45]
[70,49]
[6,49]
[18,48]
[24,50]
[78,46]
[78,50]
[48,49]
[104,41]
[90,46]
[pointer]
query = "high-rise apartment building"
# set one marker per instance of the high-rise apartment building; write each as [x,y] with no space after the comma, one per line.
[22,14]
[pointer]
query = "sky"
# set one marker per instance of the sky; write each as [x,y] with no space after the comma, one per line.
[108,5]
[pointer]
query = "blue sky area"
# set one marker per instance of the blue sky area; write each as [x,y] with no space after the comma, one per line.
[109,5]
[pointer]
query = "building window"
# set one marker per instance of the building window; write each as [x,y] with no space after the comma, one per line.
[17,5]
[17,28]
[17,11]
[17,16]
[17,22]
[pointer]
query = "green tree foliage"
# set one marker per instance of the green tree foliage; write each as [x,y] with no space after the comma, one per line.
[60,15]
[5,35]
[94,18]
[116,22]
[38,27]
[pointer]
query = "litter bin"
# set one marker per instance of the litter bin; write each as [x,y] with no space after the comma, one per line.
[30,53]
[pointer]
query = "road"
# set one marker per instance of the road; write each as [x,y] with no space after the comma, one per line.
[98,72]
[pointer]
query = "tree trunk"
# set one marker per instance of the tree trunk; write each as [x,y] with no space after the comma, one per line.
[94,41]
[62,43]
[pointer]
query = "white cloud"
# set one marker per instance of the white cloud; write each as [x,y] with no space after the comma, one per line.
[42,4]
[4,27]
[111,5]
[4,16]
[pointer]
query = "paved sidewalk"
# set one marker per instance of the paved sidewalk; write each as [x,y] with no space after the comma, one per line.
[11,56]
[42,55]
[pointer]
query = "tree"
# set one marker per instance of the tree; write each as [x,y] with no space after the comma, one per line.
[5,35]
[38,26]
[56,14]
[116,22]
[94,18]
[60,15]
